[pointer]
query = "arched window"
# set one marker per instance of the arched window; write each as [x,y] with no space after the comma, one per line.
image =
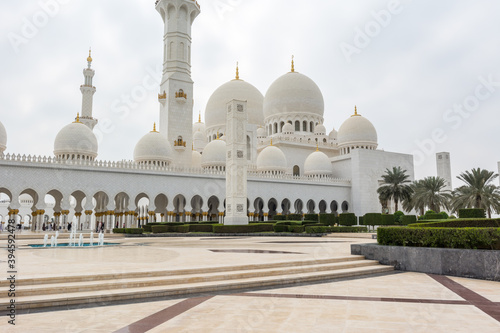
[249,148]
[304,126]
[312,127]
[281,126]
[296,171]
[297,126]
[275,128]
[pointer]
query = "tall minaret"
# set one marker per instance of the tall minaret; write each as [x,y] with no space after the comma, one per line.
[88,91]
[176,90]
[444,169]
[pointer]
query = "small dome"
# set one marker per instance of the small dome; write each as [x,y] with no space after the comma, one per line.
[214,154]
[357,130]
[199,141]
[317,164]
[288,129]
[215,112]
[320,130]
[333,134]
[261,133]
[196,159]
[199,126]
[76,139]
[271,159]
[153,147]
[293,94]
[3,138]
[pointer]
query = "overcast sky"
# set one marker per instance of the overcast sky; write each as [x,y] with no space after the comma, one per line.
[426,73]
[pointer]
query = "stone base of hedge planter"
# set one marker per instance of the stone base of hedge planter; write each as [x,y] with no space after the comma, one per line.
[476,264]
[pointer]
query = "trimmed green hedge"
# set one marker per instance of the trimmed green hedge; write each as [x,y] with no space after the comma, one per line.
[372,219]
[408,219]
[119,230]
[296,229]
[159,229]
[163,229]
[280,217]
[387,219]
[289,223]
[229,229]
[280,228]
[200,227]
[328,219]
[471,213]
[311,217]
[134,231]
[433,216]
[147,228]
[347,219]
[460,223]
[459,238]
[326,230]
[294,217]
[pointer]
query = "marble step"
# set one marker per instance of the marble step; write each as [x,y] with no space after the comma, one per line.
[96,297]
[147,281]
[132,275]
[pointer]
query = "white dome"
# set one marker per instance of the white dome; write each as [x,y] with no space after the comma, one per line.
[288,128]
[271,159]
[333,134]
[196,159]
[317,164]
[76,139]
[357,130]
[215,113]
[293,94]
[199,126]
[153,147]
[199,141]
[214,154]
[320,129]
[261,132]
[3,138]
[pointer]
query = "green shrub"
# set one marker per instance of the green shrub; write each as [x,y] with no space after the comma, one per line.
[294,217]
[460,223]
[309,222]
[398,217]
[311,217]
[471,213]
[280,228]
[147,228]
[280,217]
[462,238]
[434,217]
[296,229]
[430,211]
[180,229]
[134,231]
[445,215]
[119,230]
[229,229]
[408,219]
[289,223]
[200,227]
[328,219]
[325,230]
[159,229]
[347,219]
[387,219]
[361,220]
[452,217]
[372,219]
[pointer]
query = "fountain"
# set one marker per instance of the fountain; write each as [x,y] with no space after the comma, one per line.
[52,241]
[91,239]
[71,240]
[101,239]
[45,240]
[80,240]
[55,239]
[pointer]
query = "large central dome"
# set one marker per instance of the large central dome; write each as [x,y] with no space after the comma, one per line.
[293,94]
[215,113]
[3,138]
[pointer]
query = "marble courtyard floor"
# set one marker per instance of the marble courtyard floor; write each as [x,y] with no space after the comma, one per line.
[388,302]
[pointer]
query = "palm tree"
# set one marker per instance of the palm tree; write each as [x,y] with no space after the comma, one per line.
[430,193]
[395,186]
[478,192]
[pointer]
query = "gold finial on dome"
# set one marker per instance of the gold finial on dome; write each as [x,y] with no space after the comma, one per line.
[154,129]
[317,146]
[356,112]
[293,65]
[271,141]
[237,71]
[77,120]
[199,117]
[89,59]
[218,135]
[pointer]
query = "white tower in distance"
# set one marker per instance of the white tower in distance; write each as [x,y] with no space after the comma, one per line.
[88,91]
[176,90]
[444,168]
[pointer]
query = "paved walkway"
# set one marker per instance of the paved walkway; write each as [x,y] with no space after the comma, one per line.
[395,302]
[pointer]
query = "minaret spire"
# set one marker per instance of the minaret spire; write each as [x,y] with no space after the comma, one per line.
[88,90]
[293,65]
[237,71]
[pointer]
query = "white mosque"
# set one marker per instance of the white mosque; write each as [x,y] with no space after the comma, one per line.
[295,165]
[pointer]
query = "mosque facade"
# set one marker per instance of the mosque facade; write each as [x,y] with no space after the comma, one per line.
[294,164]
